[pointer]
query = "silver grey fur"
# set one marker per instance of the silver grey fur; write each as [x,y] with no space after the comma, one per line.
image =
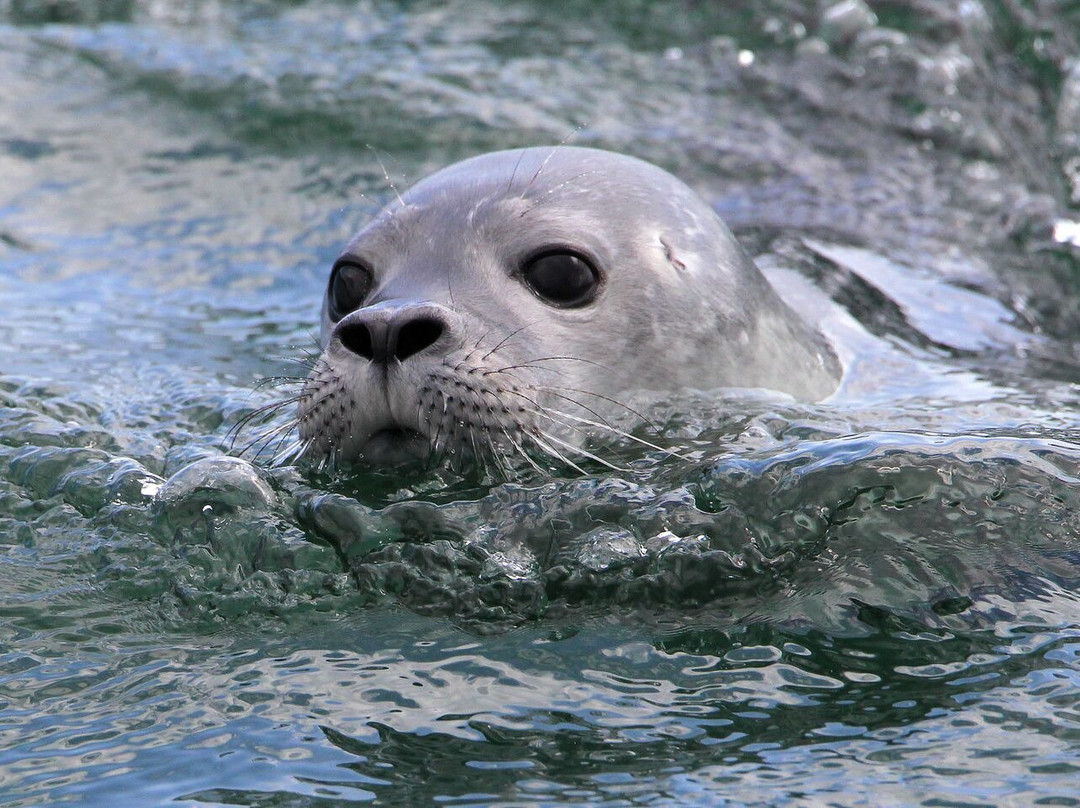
[680,306]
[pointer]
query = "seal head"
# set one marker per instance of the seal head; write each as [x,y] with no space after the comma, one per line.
[507,302]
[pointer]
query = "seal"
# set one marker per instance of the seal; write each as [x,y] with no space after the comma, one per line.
[505,305]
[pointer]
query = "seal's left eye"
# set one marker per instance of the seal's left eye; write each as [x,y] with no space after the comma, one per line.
[561,279]
[349,285]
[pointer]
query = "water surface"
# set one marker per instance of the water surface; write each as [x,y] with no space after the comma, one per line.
[871,599]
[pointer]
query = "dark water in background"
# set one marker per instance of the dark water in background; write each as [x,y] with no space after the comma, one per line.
[867,601]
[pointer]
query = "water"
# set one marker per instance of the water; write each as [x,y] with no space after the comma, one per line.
[868,600]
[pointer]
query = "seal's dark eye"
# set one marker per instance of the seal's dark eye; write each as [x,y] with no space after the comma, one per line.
[561,279]
[349,285]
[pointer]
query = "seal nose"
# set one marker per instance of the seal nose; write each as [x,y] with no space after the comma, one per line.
[379,335]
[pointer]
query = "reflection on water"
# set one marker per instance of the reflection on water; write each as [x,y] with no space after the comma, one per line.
[875,595]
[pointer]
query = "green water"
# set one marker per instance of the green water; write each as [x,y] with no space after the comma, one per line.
[867,601]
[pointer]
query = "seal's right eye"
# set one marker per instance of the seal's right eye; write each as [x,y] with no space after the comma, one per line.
[350,284]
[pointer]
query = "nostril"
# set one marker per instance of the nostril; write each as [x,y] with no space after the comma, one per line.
[379,340]
[357,338]
[416,335]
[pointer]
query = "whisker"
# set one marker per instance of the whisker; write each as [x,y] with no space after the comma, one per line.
[262,442]
[436,449]
[601,424]
[264,439]
[548,413]
[519,451]
[552,190]
[307,352]
[615,430]
[513,174]
[286,434]
[472,439]
[530,364]
[277,381]
[605,423]
[540,170]
[541,410]
[617,403]
[297,449]
[547,159]
[555,452]
[585,452]
[585,407]
[508,337]
[386,175]
[308,361]
[522,451]
[266,410]
[555,417]
[229,441]
[326,463]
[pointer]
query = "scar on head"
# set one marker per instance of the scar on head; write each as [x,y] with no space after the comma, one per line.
[669,254]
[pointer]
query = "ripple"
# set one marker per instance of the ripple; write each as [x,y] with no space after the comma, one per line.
[871,598]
